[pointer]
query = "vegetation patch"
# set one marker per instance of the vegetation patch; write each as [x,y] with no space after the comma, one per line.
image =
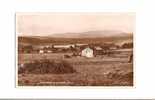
[46,67]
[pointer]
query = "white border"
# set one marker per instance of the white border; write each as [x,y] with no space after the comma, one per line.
[75,87]
[144,47]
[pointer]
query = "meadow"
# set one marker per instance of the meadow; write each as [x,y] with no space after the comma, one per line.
[103,70]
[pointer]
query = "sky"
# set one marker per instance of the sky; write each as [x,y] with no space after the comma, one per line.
[42,24]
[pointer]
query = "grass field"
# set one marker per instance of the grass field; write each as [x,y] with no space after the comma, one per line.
[111,70]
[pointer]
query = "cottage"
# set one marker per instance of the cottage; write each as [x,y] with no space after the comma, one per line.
[63,46]
[80,44]
[41,51]
[98,48]
[87,52]
[49,51]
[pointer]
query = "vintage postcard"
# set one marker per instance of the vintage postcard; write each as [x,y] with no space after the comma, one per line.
[75,49]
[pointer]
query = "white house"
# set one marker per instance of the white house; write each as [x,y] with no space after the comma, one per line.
[87,52]
[41,51]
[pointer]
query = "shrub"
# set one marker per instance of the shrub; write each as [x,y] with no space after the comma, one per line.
[46,67]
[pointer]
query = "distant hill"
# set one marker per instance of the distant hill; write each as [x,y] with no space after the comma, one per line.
[32,40]
[92,34]
[83,37]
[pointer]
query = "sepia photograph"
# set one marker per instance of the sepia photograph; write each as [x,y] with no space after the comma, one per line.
[75,48]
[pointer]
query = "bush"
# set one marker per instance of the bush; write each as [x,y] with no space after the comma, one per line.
[127,45]
[46,67]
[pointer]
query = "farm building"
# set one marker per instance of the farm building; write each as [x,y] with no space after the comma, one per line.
[87,52]
[63,46]
[49,51]
[80,44]
[98,50]
[41,51]
[45,51]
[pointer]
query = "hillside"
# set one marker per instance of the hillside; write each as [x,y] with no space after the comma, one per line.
[92,34]
[36,40]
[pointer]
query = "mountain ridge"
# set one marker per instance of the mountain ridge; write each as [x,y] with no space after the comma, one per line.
[92,34]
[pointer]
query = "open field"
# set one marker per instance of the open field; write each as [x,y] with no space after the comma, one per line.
[111,70]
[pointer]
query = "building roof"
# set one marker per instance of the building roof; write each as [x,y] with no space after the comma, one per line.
[98,48]
[63,46]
